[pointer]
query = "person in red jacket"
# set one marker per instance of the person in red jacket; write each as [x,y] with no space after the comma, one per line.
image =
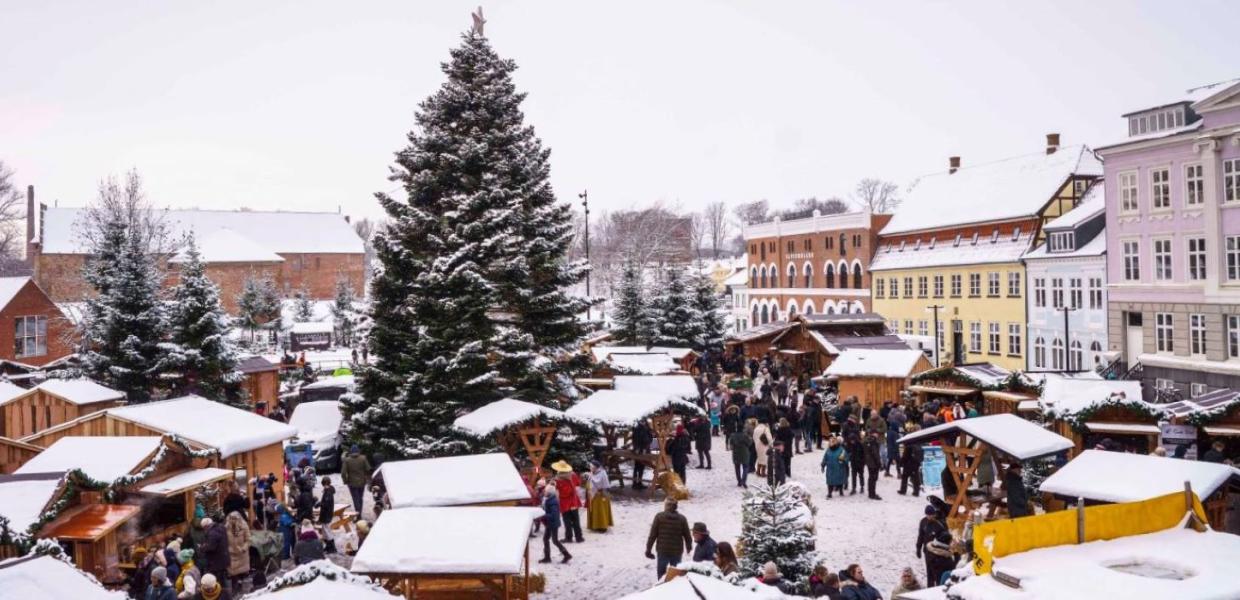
[566,483]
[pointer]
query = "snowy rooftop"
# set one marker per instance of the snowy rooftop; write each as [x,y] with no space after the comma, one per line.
[875,363]
[1007,433]
[224,245]
[676,387]
[622,409]
[213,424]
[316,420]
[1062,396]
[318,580]
[693,586]
[1001,190]
[9,391]
[504,413]
[335,381]
[453,480]
[288,232]
[23,497]
[602,352]
[101,458]
[1124,477]
[80,391]
[1095,247]
[650,364]
[313,327]
[1094,203]
[186,480]
[1174,563]
[987,373]
[49,578]
[760,331]
[9,287]
[447,540]
[986,249]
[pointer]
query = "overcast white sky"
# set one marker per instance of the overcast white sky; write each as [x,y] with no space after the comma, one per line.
[299,105]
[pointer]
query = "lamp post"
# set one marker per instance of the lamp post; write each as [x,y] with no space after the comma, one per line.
[937,343]
[585,205]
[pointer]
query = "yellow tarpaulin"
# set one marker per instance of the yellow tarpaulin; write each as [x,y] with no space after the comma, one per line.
[997,539]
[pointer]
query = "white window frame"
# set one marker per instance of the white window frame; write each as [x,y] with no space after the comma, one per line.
[1129,192]
[1197,389]
[1164,262]
[995,338]
[1164,384]
[923,328]
[1039,353]
[1057,292]
[908,287]
[1058,353]
[1195,259]
[1014,340]
[975,285]
[880,287]
[1039,292]
[1095,293]
[32,337]
[1130,252]
[1164,330]
[1013,284]
[908,326]
[994,284]
[1076,356]
[1196,334]
[1194,184]
[1160,190]
[1062,241]
[923,286]
[1231,180]
[975,337]
[1075,297]
[956,289]
[938,286]
[1233,336]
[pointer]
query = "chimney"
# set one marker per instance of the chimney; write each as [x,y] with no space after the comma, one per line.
[953,164]
[1052,143]
[29,214]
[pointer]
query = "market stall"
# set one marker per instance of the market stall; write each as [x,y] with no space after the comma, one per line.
[694,586]
[14,454]
[515,425]
[876,376]
[616,413]
[674,387]
[1089,412]
[26,412]
[471,480]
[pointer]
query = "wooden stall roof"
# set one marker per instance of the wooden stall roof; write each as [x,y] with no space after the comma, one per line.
[91,522]
[471,479]
[183,481]
[447,541]
[20,445]
[946,391]
[501,414]
[10,392]
[256,364]
[1125,477]
[1007,433]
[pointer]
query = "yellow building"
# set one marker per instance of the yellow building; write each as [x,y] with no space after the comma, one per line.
[956,243]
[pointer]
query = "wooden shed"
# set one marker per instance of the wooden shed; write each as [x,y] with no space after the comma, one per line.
[310,336]
[262,381]
[51,403]
[876,376]
[1090,411]
[14,454]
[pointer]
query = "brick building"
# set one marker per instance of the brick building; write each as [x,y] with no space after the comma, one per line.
[815,265]
[296,250]
[33,330]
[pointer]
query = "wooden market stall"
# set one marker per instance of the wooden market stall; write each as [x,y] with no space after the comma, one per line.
[1216,417]
[516,425]
[311,336]
[673,387]
[1091,411]
[1009,439]
[876,376]
[52,403]
[1101,477]
[262,381]
[450,553]
[964,383]
[470,480]
[14,454]
[23,501]
[645,359]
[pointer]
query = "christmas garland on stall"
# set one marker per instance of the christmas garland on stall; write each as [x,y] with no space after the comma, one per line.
[75,482]
[1078,419]
[1205,417]
[147,472]
[950,374]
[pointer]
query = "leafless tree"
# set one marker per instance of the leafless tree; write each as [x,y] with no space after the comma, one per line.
[652,236]
[12,215]
[125,202]
[366,229]
[697,232]
[752,212]
[876,195]
[717,226]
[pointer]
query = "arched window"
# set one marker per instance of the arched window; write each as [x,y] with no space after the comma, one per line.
[774,277]
[844,275]
[809,307]
[1039,353]
[792,310]
[858,308]
[792,275]
[754,319]
[1095,348]
[857,275]
[753,277]
[763,274]
[830,310]
[766,316]
[1075,357]
[809,275]
[1057,355]
[829,272]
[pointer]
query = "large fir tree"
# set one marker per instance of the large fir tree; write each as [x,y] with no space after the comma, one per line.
[631,322]
[706,305]
[675,313]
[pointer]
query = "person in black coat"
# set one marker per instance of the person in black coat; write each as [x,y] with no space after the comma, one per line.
[910,468]
[215,549]
[928,530]
[784,434]
[939,557]
[731,423]
[305,501]
[811,426]
[701,441]
[856,452]
[641,439]
[678,449]
[873,464]
[327,502]
[1017,497]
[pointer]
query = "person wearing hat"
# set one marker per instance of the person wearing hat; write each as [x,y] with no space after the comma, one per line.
[598,517]
[215,549]
[670,530]
[187,581]
[940,559]
[706,546]
[309,546]
[160,588]
[927,531]
[210,589]
[566,483]
[772,577]
[551,523]
[355,473]
[678,448]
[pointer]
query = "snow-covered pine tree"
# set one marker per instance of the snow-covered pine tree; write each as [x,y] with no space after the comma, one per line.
[249,306]
[772,531]
[303,308]
[199,350]
[706,303]
[629,319]
[674,311]
[343,312]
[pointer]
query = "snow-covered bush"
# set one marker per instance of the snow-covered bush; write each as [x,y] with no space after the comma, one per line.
[774,529]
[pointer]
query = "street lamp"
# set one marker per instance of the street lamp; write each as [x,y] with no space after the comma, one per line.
[937,344]
[585,205]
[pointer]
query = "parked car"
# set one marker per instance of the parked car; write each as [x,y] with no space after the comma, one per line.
[317,424]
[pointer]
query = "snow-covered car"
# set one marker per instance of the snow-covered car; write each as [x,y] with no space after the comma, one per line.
[318,424]
[327,388]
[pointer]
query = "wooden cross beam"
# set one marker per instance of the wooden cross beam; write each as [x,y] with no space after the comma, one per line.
[536,439]
[962,464]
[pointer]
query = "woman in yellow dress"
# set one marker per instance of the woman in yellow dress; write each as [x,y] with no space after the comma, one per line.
[598,504]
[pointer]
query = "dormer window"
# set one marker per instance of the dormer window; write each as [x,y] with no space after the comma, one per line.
[1016,235]
[994,236]
[932,240]
[957,242]
[901,245]
[974,238]
[1062,241]
[917,246]
[1154,121]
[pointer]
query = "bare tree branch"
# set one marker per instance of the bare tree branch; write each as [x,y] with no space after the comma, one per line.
[876,195]
[12,215]
[717,225]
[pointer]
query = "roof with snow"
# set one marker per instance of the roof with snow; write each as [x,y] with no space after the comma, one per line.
[1094,247]
[875,363]
[675,387]
[8,391]
[256,364]
[1124,477]
[224,245]
[693,585]
[1191,95]
[1093,204]
[1064,397]
[9,287]
[602,352]
[447,540]
[505,413]
[101,458]
[80,391]
[760,331]
[209,423]
[1007,433]
[987,373]
[316,420]
[649,364]
[984,249]
[270,231]
[50,578]
[23,498]
[623,409]
[453,480]
[186,480]
[997,191]
[1178,563]
[334,381]
[313,327]
[321,579]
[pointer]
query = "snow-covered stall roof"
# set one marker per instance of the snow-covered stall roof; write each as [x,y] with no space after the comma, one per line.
[504,413]
[24,497]
[987,373]
[1178,563]
[676,387]
[1007,433]
[602,352]
[9,391]
[694,586]
[1064,397]
[1124,477]
[649,364]
[212,424]
[275,231]
[875,363]
[48,578]
[760,331]
[313,327]
[447,540]
[453,480]
[80,391]
[622,409]
[1000,190]
[9,287]
[334,381]
[316,420]
[100,458]
[321,579]
[186,480]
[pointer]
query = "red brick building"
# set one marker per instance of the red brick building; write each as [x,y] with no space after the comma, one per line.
[815,265]
[33,330]
[296,250]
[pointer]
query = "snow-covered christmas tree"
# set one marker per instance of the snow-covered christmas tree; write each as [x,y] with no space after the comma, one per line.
[706,303]
[773,529]
[303,308]
[631,323]
[677,321]
[343,312]
[258,305]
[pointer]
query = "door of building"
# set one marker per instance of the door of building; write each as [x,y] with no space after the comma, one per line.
[957,342]
[1134,338]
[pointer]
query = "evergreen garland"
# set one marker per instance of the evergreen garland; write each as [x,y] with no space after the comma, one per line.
[310,571]
[1077,420]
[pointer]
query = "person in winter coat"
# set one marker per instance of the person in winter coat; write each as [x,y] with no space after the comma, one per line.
[678,449]
[706,547]
[288,531]
[772,577]
[714,407]
[751,425]
[985,477]
[641,439]
[895,425]
[910,467]
[927,531]
[785,434]
[731,423]
[824,584]
[211,589]
[740,457]
[566,483]
[811,418]
[305,503]
[835,466]
[238,548]
[551,525]
[908,583]
[160,587]
[234,501]
[776,475]
[873,462]
[355,472]
[187,582]
[670,536]
[725,558]
[215,549]
[169,559]
[762,439]
[598,508]
[701,441]
[309,546]
[327,502]
[1017,497]
[939,558]
[853,585]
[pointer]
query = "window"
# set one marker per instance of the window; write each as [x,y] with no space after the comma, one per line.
[1162,260]
[30,336]
[857,276]
[956,286]
[1014,339]
[1063,241]
[957,242]
[908,287]
[895,287]
[843,275]
[1197,258]
[1075,297]
[922,286]
[992,284]
[1039,292]
[1039,353]
[879,284]
[1233,257]
[1165,385]
[1231,180]
[1194,185]
[1233,336]
[843,245]
[791,247]
[809,275]
[753,278]
[1095,293]
[1016,234]
[1163,329]
[923,328]
[828,243]
[1075,357]
[908,326]
[1128,202]
[942,338]
[829,273]
[975,337]
[975,285]
[1132,259]
[1057,293]
[1197,334]
[792,276]
[1196,389]
[996,342]
[774,277]
[1057,355]
[938,286]
[1013,284]
[1160,189]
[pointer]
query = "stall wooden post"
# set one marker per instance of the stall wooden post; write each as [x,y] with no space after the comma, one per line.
[662,424]
[962,464]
